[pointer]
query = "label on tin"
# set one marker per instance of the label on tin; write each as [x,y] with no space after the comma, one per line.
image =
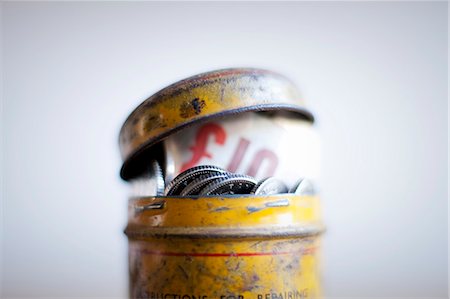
[254,144]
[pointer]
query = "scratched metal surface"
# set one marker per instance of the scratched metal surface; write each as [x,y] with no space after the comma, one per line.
[179,268]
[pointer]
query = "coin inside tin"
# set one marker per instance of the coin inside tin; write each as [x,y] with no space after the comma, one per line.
[198,184]
[269,186]
[303,187]
[185,178]
[233,184]
[151,183]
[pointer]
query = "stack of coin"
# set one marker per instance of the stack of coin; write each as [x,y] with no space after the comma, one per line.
[209,180]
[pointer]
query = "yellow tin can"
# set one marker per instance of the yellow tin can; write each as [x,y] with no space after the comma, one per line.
[233,247]
[222,247]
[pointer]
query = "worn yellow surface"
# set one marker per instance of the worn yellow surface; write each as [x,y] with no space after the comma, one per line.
[287,210]
[224,247]
[259,268]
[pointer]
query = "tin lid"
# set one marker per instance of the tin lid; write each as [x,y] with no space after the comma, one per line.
[202,98]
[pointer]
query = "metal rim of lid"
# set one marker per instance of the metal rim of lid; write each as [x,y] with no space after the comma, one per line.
[202,98]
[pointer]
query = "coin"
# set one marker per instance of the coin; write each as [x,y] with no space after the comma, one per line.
[198,184]
[269,186]
[156,169]
[185,178]
[169,164]
[151,183]
[233,184]
[303,187]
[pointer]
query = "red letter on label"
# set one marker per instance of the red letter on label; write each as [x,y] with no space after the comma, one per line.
[260,156]
[201,142]
[238,154]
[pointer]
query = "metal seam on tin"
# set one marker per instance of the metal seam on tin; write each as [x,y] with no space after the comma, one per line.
[201,98]
[208,232]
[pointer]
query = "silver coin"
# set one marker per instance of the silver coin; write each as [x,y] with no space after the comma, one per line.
[156,169]
[233,184]
[186,177]
[169,163]
[269,186]
[198,184]
[151,183]
[303,187]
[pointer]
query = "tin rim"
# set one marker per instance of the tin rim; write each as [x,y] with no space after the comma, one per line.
[224,216]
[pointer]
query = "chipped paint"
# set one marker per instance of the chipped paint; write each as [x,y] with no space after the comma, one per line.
[272,204]
[220,209]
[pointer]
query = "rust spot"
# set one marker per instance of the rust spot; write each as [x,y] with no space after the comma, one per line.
[194,107]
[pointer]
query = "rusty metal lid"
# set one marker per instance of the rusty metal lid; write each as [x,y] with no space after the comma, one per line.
[201,98]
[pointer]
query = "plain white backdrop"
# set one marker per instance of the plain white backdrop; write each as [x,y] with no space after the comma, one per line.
[374,74]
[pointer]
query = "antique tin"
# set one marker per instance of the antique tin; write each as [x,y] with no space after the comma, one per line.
[221,247]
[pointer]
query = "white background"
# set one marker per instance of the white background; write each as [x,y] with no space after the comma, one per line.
[375,75]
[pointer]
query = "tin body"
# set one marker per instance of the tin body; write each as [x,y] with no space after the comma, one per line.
[232,247]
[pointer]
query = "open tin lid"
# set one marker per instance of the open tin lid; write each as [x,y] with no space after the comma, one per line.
[198,99]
